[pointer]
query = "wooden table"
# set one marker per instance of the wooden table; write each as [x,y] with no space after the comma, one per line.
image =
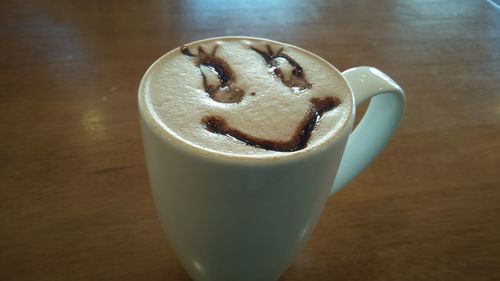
[75,202]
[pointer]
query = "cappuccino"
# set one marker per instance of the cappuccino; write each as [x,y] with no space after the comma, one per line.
[245,97]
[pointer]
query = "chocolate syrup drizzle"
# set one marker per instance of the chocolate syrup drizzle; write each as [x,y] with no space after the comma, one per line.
[298,78]
[217,124]
[224,91]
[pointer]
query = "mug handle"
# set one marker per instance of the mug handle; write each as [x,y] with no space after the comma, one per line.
[378,124]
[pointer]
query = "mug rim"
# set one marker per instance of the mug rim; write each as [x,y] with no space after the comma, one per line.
[218,156]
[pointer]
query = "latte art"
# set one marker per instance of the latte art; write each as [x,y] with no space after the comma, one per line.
[244,96]
[220,88]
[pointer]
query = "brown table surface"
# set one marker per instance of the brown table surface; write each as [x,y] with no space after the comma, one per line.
[75,202]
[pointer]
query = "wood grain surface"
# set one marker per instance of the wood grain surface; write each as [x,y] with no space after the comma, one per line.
[75,202]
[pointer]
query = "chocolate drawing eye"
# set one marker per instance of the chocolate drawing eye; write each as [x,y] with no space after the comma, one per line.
[285,68]
[211,78]
[218,77]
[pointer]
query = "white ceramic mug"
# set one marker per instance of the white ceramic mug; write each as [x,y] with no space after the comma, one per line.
[246,219]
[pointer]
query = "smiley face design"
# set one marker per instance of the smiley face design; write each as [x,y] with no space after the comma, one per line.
[220,82]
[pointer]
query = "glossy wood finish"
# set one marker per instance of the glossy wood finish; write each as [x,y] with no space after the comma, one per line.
[74,197]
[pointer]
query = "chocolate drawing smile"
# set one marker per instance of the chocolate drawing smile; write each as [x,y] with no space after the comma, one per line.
[217,124]
[219,82]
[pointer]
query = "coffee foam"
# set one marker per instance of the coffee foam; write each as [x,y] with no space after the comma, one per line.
[174,94]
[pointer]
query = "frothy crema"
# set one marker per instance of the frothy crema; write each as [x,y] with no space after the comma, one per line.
[245,97]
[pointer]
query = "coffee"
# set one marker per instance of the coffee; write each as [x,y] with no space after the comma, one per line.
[246,97]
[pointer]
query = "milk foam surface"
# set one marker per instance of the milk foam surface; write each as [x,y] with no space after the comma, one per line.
[172,93]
